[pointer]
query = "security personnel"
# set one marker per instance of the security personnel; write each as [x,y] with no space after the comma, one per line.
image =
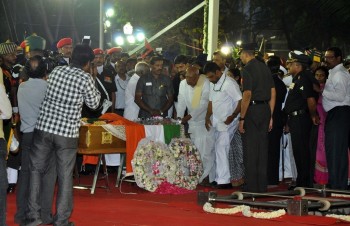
[258,103]
[65,47]
[301,110]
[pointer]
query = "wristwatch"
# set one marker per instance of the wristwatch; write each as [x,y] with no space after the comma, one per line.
[241,119]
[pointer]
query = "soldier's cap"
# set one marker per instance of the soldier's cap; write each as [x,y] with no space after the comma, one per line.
[64,42]
[248,47]
[34,42]
[98,51]
[298,56]
[115,50]
[7,47]
[314,55]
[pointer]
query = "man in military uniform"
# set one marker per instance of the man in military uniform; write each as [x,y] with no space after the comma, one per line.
[65,48]
[105,84]
[113,55]
[301,110]
[8,55]
[258,103]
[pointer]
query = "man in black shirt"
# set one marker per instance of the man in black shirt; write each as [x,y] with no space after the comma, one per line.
[258,103]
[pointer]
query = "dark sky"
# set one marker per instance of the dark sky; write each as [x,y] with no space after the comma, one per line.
[51,19]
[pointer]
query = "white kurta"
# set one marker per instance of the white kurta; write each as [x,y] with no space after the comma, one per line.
[131,110]
[201,138]
[224,95]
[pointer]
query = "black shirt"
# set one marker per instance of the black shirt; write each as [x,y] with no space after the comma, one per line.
[257,78]
[299,91]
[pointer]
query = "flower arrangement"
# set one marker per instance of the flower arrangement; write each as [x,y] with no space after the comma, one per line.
[188,163]
[153,163]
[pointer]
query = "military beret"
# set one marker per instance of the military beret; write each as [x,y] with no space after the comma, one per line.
[34,42]
[114,50]
[298,56]
[63,42]
[98,51]
[7,47]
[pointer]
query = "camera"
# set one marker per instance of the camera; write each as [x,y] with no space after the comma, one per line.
[86,40]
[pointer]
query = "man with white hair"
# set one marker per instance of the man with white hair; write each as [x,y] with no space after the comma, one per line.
[194,95]
[131,111]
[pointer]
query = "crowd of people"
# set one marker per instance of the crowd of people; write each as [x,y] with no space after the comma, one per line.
[236,112]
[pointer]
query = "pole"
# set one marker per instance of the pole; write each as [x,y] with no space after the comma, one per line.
[213,27]
[169,27]
[101,25]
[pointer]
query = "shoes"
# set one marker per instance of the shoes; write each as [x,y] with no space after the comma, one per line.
[222,186]
[237,183]
[11,188]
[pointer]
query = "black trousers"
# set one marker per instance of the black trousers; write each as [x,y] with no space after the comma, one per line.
[3,181]
[65,150]
[300,129]
[255,147]
[337,143]
[274,155]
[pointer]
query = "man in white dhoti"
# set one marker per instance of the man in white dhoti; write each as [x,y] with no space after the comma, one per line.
[131,111]
[224,107]
[194,95]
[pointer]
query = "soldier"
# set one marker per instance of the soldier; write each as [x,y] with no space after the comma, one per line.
[8,55]
[65,48]
[300,107]
[255,122]
[113,55]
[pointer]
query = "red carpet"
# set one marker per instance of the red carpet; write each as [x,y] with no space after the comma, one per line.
[108,208]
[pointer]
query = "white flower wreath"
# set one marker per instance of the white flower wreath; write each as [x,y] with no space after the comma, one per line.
[188,163]
[152,164]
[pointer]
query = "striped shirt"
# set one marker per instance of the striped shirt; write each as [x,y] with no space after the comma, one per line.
[68,88]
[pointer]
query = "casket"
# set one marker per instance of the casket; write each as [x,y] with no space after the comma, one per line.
[95,140]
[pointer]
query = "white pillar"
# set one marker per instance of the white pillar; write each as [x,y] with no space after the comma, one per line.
[101,24]
[213,27]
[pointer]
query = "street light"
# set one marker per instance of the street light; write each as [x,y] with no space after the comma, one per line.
[128,29]
[119,40]
[140,36]
[108,23]
[110,12]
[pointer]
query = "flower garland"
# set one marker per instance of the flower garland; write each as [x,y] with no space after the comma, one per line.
[245,211]
[188,162]
[153,164]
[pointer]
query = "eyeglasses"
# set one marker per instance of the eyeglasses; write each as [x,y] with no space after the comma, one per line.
[329,57]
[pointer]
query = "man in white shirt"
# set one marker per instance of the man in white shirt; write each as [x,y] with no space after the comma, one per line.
[224,106]
[336,102]
[194,95]
[131,110]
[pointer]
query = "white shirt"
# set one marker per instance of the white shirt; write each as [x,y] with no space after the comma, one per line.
[5,105]
[131,110]
[224,96]
[120,94]
[185,101]
[337,89]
